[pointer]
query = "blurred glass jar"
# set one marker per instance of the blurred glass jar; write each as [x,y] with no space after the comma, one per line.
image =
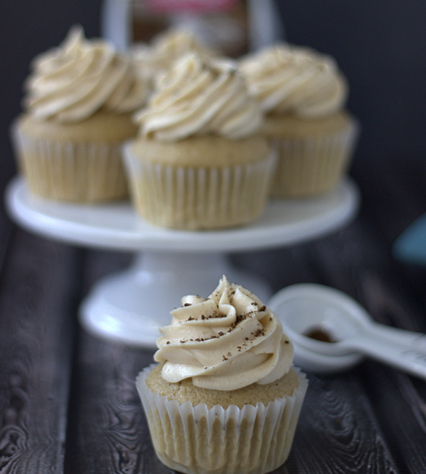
[231,26]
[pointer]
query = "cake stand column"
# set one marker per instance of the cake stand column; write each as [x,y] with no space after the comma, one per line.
[131,305]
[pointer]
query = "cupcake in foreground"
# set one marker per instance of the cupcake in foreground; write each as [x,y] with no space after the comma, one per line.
[224,397]
[79,101]
[198,163]
[303,95]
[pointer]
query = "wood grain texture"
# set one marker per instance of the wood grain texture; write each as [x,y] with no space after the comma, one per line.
[399,398]
[338,431]
[108,432]
[36,335]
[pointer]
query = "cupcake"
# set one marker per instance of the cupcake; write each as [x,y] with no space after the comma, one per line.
[157,57]
[198,163]
[303,95]
[78,106]
[224,397]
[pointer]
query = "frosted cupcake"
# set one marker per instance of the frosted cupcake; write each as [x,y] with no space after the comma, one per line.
[198,163]
[303,95]
[158,56]
[224,398]
[79,101]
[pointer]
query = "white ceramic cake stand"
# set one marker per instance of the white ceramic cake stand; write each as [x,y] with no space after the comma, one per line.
[131,305]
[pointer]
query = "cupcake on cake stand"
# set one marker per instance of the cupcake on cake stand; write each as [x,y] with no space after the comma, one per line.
[130,306]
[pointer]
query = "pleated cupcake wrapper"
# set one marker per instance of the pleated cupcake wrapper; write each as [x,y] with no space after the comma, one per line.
[76,172]
[199,197]
[198,440]
[313,165]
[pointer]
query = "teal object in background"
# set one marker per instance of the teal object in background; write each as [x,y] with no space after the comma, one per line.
[411,244]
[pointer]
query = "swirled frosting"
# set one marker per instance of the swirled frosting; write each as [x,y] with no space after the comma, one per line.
[72,82]
[300,81]
[227,341]
[158,56]
[197,97]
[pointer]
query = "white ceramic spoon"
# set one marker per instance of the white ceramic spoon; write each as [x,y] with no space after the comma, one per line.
[304,307]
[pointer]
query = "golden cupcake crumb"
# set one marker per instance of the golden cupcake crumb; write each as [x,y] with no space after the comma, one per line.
[186,391]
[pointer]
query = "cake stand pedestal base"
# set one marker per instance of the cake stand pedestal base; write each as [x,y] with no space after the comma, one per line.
[131,305]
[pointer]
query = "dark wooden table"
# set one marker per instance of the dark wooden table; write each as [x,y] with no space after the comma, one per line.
[68,401]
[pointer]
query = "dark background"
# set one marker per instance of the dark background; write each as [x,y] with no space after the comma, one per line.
[379,44]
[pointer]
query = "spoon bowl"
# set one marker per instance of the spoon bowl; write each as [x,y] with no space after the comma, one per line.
[351,330]
[309,306]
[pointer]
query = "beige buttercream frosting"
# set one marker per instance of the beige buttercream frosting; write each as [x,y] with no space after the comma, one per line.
[227,341]
[296,80]
[157,57]
[198,97]
[70,83]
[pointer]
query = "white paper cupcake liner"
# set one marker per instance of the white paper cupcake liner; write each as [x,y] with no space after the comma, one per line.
[70,171]
[313,165]
[198,440]
[198,197]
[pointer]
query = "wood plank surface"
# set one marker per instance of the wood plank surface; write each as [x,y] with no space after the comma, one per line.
[338,431]
[36,339]
[108,432]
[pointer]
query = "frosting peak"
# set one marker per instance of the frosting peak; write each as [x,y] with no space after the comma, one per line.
[224,342]
[197,97]
[70,83]
[296,80]
[166,48]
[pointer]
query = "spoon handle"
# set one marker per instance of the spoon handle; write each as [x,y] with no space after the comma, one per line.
[413,339]
[398,354]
